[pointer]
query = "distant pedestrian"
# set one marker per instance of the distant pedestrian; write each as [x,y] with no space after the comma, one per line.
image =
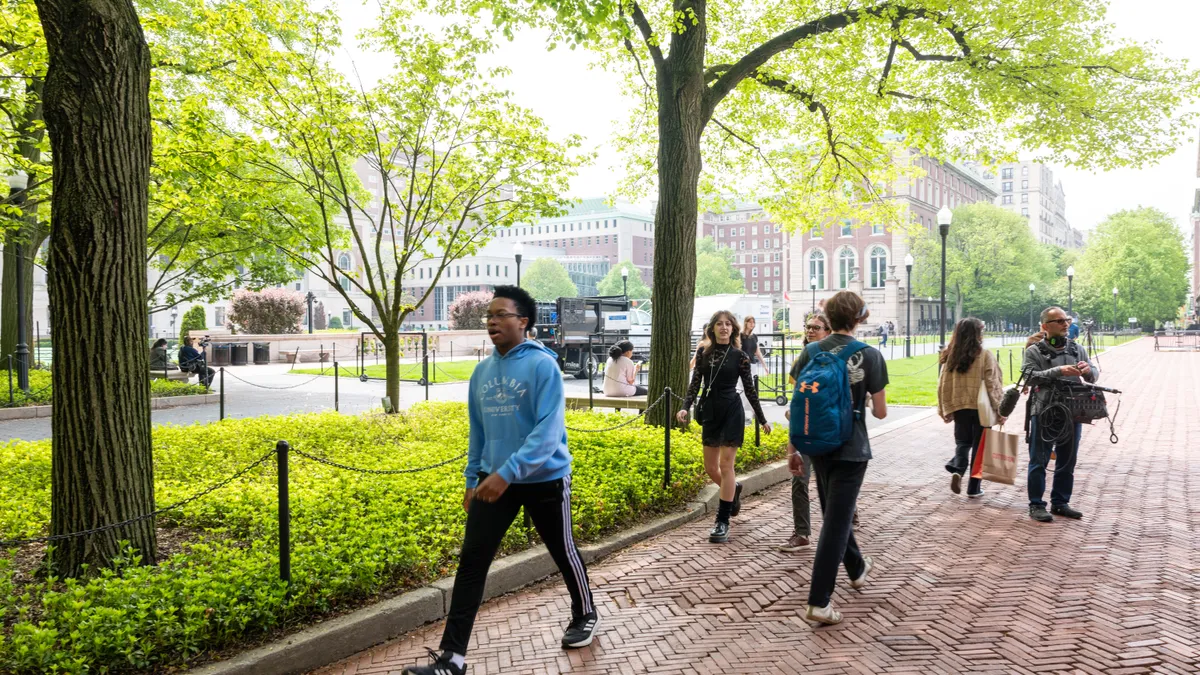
[965,364]
[840,473]
[719,366]
[751,347]
[883,336]
[517,459]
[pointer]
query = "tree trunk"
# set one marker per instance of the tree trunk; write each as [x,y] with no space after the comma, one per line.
[391,354]
[681,120]
[29,135]
[98,115]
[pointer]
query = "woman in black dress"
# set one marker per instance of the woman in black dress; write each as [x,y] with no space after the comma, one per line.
[719,366]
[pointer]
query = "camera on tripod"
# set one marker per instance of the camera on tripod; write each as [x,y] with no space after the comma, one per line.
[206,341]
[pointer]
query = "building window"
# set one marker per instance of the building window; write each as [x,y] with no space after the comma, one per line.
[1025,198]
[742,245]
[754,286]
[1007,187]
[847,228]
[878,228]
[776,285]
[845,268]
[1006,199]
[743,231]
[721,232]
[1006,173]
[816,267]
[1025,171]
[477,270]
[347,318]
[754,230]
[219,316]
[778,271]
[754,271]
[1025,211]
[878,267]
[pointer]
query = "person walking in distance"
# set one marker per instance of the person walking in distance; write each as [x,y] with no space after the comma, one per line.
[1054,358]
[719,366]
[517,457]
[816,328]
[750,346]
[965,363]
[840,472]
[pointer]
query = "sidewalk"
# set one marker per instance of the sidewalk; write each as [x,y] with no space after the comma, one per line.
[958,585]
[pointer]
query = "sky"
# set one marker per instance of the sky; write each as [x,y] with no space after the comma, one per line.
[574,97]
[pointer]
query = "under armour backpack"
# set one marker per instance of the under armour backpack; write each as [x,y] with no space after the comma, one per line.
[822,418]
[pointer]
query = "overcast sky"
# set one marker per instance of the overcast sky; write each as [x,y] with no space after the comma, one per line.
[572,97]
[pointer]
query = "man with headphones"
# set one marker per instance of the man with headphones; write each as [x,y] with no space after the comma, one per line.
[1052,357]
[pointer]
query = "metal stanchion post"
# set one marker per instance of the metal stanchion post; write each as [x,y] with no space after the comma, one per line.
[285,516]
[425,361]
[335,387]
[10,387]
[757,431]
[222,392]
[591,382]
[667,437]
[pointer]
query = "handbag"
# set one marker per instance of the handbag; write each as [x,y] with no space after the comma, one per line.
[996,458]
[983,403]
[703,410]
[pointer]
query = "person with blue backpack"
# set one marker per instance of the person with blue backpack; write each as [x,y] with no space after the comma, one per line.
[720,364]
[837,377]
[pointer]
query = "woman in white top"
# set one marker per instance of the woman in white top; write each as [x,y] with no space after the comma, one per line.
[620,372]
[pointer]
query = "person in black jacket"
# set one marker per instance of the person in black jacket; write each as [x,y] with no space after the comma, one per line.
[159,361]
[719,365]
[192,360]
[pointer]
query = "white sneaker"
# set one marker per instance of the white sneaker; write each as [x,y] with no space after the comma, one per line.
[859,583]
[826,615]
[976,495]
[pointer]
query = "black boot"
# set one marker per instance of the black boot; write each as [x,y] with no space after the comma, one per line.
[720,532]
[737,500]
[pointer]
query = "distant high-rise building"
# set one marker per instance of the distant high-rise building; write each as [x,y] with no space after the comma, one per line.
[1028,188]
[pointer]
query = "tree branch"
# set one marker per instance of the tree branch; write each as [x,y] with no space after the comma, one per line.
[756,148]
[887,68]
[639,20]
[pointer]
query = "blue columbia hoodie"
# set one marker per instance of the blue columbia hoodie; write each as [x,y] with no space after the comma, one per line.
[517,409]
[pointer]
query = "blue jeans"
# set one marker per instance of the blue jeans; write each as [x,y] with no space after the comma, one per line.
[1064,466]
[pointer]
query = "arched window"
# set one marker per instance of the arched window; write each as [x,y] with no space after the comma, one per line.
[878,267]
[845,267]
[344,264]
[816,267]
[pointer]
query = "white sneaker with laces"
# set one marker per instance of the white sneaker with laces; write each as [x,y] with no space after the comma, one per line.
[826,615]
[859,583]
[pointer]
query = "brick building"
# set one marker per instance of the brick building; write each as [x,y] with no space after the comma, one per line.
[760,247]
[869,259]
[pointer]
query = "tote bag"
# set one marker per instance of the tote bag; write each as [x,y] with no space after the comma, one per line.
[996,459]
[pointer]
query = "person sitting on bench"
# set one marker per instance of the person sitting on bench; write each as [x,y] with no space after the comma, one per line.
[159,361]
[620,372]
[192,360]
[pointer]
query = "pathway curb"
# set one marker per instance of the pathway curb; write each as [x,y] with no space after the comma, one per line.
[156,403]
[333,640]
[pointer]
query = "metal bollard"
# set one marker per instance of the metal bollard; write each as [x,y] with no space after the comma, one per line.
[285,514]
[10,387]
[757,430]
[335,387]
[222,393]
[667,437]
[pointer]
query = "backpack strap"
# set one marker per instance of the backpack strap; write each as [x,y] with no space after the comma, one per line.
[813,348]
[851,349]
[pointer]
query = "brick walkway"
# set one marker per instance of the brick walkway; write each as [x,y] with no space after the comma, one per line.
[959,586]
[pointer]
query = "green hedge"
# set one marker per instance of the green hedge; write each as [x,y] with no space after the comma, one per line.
[40,390]
[354,535]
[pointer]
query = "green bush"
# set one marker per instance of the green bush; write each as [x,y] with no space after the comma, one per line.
[40,389]
[335,323]
[193,320]
[353,535]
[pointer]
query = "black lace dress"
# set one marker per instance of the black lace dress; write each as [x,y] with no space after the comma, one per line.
[720,367]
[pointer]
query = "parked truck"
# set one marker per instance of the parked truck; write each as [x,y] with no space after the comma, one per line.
[569,325]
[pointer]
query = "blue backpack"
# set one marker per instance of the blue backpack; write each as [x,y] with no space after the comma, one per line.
[823,413]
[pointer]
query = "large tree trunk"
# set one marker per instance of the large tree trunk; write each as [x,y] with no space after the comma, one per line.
[681,120]
[98,115]
[391,354]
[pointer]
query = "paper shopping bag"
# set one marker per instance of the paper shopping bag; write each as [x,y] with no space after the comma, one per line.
[999,451]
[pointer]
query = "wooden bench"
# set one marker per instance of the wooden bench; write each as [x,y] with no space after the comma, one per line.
[599,401]
[173,375]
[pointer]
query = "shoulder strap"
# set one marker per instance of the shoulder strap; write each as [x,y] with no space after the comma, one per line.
[813,348]
[851,349]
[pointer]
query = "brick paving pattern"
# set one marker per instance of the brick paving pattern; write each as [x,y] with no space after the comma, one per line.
[959,586]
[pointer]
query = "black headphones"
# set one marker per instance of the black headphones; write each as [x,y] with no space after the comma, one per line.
[1056,341]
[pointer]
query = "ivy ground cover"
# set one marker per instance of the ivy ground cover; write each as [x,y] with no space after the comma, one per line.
[354,535]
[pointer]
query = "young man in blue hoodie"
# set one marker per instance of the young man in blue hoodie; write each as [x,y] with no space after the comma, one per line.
[517,457]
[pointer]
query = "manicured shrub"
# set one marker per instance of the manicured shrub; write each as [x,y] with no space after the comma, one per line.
[467,310]
[193,320]
[354,535]
[268,312]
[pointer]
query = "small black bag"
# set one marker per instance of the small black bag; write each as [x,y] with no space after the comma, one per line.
[1088,406]
[703,409]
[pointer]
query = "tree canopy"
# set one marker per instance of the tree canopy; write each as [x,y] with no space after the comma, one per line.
[546,280]
[613,284]
[715,273]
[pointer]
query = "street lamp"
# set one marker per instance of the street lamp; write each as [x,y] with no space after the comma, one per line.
[174,315]
[1070,289]
[1114,314]
[944,216]
[812,283]
[310,297]
[908,263]
[518,249]
[1031,288]
[625,282]
[16,196]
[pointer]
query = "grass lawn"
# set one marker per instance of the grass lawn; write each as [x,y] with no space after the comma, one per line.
[445,371]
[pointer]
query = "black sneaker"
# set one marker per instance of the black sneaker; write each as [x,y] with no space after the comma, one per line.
[1065,511]
[1040,514]
[956,483]
[720,533]
[737,500]
[440,665]
[581,631]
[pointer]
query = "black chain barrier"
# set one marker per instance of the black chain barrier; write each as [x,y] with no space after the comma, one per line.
[104,528]
[291,386]
[376,472]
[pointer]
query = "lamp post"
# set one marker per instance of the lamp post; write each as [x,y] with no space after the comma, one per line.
[310,297]
[944,216]
[908,263]
[518,250]
[625,282]
[812,283]
[1031,288]
[1114,314]
[174,315]
[1070,289]
[16,196]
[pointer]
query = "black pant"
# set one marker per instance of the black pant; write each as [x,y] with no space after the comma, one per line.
[549,506]
[967,432]
[202,371]
[838,483]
